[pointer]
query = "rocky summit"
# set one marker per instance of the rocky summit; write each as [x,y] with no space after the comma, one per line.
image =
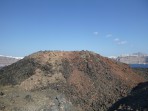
[65,81]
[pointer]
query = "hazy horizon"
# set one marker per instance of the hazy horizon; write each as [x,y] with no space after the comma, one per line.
[103,26]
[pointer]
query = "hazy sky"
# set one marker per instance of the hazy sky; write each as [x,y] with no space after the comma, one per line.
[108,27]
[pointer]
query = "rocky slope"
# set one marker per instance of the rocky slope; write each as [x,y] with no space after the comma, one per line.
[142,72]
[137,100]
[65,81]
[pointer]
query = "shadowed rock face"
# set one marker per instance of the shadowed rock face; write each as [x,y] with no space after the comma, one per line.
[143,72]
[137,100]
[76,80]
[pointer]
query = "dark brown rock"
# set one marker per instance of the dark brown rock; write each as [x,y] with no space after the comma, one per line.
[87,80]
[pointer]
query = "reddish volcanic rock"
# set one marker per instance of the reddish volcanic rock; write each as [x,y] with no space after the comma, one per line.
[87,80]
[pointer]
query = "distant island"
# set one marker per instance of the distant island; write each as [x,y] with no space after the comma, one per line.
[8,60]
[135,58]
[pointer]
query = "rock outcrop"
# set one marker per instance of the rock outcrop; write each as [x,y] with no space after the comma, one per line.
[137,100]
[65,81]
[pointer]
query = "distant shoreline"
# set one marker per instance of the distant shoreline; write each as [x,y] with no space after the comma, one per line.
[138,65]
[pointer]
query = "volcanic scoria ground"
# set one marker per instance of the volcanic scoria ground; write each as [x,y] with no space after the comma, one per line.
[65,81]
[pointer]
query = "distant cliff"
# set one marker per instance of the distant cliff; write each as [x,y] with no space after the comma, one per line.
[7,60]
[133,59]
[136,58]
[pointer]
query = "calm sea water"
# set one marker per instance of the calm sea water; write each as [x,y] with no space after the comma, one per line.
[139,65]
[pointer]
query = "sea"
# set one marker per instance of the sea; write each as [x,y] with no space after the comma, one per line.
[138,65]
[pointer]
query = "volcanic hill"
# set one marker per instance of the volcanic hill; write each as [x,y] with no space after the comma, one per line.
[65,81]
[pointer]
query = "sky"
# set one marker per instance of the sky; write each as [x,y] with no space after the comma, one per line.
[107,27]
